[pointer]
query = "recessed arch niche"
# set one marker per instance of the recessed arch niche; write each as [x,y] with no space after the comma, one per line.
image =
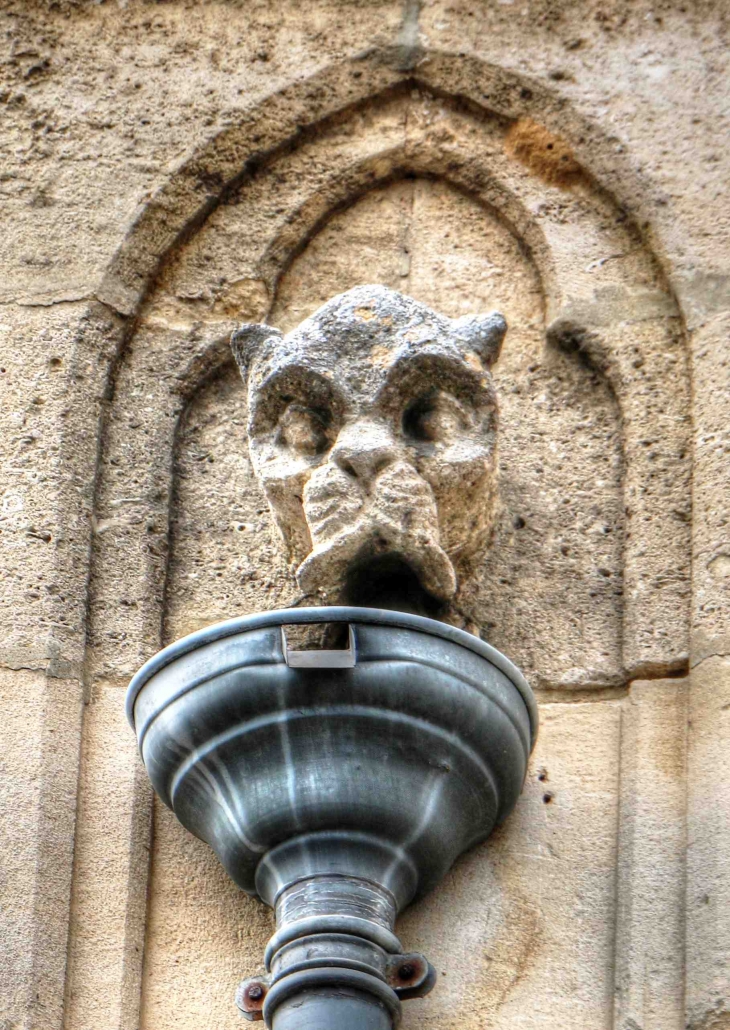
[560,443]
[583,588]
[540,596]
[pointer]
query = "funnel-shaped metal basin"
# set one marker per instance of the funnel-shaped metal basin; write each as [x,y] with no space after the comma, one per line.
[384,761]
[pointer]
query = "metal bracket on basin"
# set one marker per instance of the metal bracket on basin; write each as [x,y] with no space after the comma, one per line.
[344,658]
[410,976]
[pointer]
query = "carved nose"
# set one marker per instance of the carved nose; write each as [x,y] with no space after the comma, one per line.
[363,449]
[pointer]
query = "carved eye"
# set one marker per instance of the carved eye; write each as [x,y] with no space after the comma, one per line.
[438,418]
[304,430]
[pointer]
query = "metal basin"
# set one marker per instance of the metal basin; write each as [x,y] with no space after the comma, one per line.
[395,765]
[336,785]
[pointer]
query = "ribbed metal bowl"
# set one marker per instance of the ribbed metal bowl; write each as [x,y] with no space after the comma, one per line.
[384,762]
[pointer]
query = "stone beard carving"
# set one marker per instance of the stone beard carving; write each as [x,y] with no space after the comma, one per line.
[372,428]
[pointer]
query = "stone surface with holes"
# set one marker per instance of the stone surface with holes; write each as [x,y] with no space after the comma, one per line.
[172,170]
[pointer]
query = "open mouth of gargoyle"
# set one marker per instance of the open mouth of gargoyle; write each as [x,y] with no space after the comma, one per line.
[373,566]
[388,581]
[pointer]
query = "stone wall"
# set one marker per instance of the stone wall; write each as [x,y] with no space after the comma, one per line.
[172,169]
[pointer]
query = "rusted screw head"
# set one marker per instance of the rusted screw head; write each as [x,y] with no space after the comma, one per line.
[410,975]
[250,998]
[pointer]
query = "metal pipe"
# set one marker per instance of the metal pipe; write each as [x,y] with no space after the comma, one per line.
[334,960]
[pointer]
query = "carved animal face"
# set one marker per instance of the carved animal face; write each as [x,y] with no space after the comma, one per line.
[372,429]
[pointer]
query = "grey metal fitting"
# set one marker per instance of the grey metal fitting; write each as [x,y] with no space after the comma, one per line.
[334,949]
[336,786]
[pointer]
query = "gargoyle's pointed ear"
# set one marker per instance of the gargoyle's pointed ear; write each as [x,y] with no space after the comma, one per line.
[484,334]
[247,339]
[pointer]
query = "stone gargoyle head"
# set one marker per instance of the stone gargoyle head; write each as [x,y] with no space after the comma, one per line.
[372,428]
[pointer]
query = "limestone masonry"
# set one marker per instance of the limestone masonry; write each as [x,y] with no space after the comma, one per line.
[174,173]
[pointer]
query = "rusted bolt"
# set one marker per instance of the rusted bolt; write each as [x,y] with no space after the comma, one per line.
[410,975]
[250,998]
[405,970]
